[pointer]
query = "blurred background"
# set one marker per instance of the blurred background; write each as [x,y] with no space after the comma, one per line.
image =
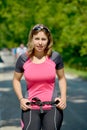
[67,20]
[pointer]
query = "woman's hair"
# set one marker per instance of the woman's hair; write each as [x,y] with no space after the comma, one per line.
[35,30]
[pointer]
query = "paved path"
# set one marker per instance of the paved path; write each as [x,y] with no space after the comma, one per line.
[75,115]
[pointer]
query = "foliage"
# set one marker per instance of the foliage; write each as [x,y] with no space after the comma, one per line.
[67,20]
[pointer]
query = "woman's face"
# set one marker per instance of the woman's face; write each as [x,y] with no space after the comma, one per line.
[40,41]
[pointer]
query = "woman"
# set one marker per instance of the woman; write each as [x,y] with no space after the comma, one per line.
[40,65]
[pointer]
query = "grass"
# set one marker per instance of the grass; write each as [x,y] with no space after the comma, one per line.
[75,72]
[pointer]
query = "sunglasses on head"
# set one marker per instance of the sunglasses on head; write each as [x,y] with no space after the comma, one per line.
[38,28]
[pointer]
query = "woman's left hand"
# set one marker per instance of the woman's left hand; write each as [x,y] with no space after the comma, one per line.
[62,103]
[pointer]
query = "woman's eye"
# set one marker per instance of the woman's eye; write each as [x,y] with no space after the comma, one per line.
[36,38]
[43,39]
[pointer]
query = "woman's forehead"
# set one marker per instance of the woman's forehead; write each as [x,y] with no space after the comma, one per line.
[40,34]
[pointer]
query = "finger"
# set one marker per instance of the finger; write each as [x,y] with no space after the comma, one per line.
[63,106]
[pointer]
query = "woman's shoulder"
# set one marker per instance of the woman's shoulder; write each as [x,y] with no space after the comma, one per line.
[20,62]
[23,57]
[54,55]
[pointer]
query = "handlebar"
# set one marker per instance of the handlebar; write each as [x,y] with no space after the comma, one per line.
[37,101]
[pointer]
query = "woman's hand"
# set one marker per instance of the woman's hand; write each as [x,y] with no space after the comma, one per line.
[62,103]
[23,105]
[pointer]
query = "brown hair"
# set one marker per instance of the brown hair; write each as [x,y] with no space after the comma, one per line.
[37,28]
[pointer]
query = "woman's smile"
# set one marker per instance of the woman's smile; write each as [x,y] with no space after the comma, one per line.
[40,47]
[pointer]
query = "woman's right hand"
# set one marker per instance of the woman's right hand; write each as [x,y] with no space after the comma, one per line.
[23,105]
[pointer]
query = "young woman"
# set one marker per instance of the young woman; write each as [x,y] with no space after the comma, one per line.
[40,65]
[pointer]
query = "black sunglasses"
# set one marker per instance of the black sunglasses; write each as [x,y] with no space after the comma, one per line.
[38,28]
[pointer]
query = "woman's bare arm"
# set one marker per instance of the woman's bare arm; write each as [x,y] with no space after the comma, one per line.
[63,88]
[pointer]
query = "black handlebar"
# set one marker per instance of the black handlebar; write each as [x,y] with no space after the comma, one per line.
[37,101]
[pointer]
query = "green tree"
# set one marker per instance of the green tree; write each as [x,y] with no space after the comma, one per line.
[67,20]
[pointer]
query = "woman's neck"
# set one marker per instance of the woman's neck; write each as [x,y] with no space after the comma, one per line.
[38,58]
[39,55]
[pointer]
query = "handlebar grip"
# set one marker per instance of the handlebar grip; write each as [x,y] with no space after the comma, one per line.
[28,103]
[57,101]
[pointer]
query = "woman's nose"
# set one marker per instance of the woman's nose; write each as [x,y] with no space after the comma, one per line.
[40,42]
